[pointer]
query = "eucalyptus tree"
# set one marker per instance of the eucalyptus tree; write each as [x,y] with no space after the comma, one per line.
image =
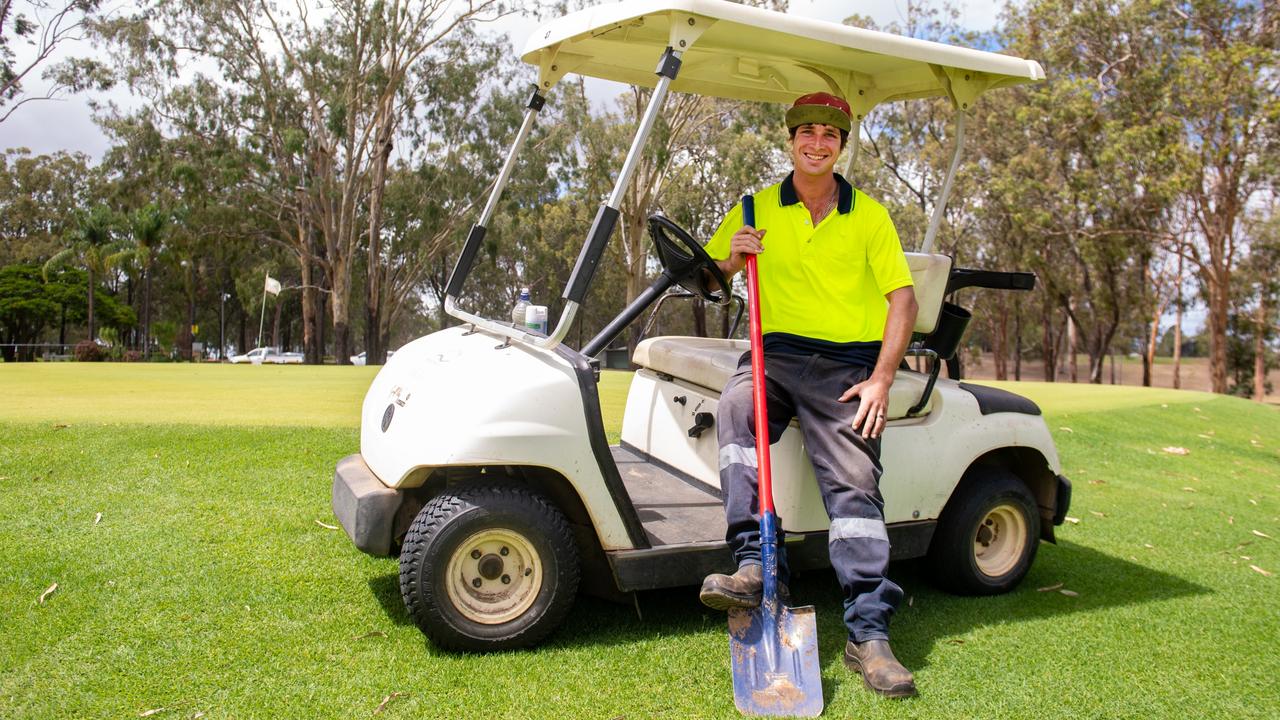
[46,27]
[39,198]
[1226,90]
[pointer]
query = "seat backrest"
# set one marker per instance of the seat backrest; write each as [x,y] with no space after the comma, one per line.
[929,272]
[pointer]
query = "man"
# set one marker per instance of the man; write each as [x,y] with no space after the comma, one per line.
[837,309]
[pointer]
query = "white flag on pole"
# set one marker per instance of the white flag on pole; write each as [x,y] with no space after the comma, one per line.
[272,286]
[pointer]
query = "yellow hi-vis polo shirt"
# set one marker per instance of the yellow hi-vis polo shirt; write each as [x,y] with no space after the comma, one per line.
[827,282]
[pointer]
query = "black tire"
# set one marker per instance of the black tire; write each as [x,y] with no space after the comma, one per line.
[488,567]
[987,536]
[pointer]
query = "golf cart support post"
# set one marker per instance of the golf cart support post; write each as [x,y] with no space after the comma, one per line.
[450,445]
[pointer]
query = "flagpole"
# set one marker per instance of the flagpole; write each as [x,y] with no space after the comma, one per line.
[262,318]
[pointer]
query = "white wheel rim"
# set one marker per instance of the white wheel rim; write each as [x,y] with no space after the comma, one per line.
[1000,540]
[494,576]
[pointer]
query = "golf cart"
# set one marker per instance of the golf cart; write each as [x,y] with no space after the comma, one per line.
[503,496]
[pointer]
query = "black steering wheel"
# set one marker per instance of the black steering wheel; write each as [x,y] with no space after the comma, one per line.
[686,262]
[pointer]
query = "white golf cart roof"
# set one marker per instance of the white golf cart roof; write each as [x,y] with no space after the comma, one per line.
[746,53]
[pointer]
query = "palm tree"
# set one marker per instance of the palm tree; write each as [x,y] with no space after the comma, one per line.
[90,243]
[146,227]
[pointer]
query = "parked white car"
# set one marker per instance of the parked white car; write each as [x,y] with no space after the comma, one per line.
[360,359]
[257,356]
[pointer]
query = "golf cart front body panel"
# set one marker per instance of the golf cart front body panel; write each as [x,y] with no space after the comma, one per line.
[458,398]
[745,53]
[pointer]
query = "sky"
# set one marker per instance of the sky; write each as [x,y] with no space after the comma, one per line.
[67,124]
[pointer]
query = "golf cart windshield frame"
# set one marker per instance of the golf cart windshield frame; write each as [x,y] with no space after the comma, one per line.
[731,51]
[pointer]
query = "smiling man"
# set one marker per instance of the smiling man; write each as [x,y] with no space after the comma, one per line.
[837,308]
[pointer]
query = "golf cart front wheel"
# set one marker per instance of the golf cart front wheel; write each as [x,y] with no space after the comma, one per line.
[987,536]
[489,567]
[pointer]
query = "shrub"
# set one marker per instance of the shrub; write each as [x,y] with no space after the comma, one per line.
[133,356]
[88,351]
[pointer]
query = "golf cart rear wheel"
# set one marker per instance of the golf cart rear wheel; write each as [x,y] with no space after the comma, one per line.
[488,567]
[987,536]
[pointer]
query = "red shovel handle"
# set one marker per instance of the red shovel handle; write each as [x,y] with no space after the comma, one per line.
[757,369]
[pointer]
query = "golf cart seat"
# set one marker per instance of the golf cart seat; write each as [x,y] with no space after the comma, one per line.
[710,362]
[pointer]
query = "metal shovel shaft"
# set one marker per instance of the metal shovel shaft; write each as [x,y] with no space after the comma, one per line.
[774,649]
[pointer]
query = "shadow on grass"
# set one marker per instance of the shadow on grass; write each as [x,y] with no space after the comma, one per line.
[1101,581]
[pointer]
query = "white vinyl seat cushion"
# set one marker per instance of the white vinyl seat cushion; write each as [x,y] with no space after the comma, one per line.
[710,362]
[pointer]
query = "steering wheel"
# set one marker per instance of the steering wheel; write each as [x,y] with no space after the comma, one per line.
[684,260]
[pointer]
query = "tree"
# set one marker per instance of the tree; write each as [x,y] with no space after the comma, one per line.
[90,245]
[25,310]
[146,227]
[50,26]
[1226,90]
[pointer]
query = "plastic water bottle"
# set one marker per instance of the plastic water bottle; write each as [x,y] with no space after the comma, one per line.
[518,312]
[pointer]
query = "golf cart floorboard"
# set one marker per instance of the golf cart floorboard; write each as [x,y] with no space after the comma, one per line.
[673,509]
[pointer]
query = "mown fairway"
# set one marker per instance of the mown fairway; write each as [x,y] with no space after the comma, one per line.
[210,588]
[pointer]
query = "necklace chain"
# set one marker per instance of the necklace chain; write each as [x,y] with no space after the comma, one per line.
[821,213]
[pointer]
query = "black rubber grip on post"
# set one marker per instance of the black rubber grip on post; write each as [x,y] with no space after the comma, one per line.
[669,65]
[475,239]
[536,100]
[585,268]
[749,210]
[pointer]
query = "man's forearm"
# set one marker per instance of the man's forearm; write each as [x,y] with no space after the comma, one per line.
[897,333]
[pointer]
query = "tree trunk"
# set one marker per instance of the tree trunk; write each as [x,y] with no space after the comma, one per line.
[1260,349]
[92,333]
[699,309]
[375,350]
[146,313]
[1177,328]
[1072,370]
[1017,340]
[1219,304]
[275,326]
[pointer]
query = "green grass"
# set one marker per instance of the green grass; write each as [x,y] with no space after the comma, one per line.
[209,586]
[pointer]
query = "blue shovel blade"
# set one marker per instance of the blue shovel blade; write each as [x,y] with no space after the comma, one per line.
[776,676]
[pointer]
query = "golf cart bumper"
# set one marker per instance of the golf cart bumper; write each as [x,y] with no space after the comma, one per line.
[365,507]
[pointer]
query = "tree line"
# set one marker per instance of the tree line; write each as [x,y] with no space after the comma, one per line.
[346,151]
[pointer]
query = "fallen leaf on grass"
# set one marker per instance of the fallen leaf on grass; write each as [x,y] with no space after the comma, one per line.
[1206,437]
[326,526]
[1231,519]
[149,713]
[1070,593]
[383,705]
[1050,588]
[47,593]
[1255,568]
[1066,429]
[61,426]
[1251,500]
[375,633]
[97,518]
[1175,450]
[1095,512]
[1073,521]
[1190,489]
[1097,482]
[1149,546]
[1261,534]
[911,601]
[955,641]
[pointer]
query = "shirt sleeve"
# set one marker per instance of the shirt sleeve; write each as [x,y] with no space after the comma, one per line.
[718,246]
[888,261]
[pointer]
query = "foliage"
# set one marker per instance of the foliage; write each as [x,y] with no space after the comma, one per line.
[88,351]
[52,24]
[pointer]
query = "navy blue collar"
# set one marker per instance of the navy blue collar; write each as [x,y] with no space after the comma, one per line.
[788,194]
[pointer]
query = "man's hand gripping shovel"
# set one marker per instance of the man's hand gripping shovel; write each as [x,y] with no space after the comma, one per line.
[774,648]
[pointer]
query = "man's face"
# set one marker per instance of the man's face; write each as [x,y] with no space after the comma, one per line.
[814,149]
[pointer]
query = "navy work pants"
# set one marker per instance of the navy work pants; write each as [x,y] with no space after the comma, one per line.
[846,465]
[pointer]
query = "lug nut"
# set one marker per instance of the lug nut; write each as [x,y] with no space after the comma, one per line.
[475,554]
[504,552]
[506,579]
[528,572]
[475,583]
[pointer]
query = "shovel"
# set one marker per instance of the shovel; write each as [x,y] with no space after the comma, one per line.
[773,648]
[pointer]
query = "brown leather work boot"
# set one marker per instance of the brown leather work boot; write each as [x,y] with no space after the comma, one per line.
[881,672]
[739,590]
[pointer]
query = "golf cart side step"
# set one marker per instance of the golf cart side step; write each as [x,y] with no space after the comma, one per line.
[673,508]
